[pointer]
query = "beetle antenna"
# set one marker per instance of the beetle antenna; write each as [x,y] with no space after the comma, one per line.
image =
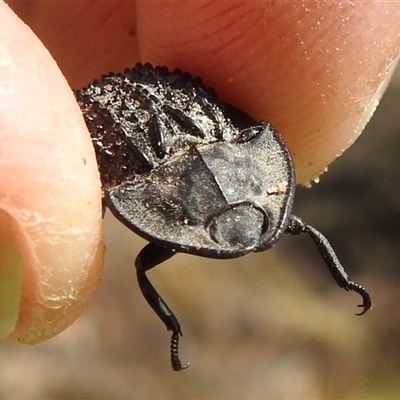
[297,226]
[150,256]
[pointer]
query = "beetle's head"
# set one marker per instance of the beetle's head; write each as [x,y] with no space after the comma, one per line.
[240,226]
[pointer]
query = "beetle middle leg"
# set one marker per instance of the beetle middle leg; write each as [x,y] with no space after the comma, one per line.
[149,257]
[297,226]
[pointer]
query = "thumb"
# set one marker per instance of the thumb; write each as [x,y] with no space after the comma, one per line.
[50,214]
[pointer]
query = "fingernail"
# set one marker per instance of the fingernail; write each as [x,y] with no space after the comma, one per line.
[11,273]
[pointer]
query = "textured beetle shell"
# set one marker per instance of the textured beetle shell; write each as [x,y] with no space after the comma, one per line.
[184,170]
[139,118]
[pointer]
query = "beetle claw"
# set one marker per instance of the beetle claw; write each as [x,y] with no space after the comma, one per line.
[175,361]
[363,311]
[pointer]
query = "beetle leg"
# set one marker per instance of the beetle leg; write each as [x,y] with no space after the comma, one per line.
[297,226]
[150,256]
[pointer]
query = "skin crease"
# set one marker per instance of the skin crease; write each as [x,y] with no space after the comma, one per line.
[315,70]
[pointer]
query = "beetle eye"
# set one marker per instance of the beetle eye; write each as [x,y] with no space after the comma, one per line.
[239,226]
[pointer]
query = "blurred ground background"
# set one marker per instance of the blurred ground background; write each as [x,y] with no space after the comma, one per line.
[272,325]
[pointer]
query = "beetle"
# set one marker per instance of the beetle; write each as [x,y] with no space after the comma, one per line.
[192,174]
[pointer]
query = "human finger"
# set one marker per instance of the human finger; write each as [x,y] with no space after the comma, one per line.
[316,71]
[51,243]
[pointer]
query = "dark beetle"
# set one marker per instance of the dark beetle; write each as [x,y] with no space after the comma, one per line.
[192,174]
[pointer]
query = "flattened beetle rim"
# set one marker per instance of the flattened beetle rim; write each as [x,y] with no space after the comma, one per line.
[286,211]
[194,250]
[230,253]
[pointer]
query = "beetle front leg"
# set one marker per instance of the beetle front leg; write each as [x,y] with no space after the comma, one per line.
[150,256]
[297,226]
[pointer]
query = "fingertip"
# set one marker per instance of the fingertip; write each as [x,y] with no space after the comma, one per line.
[87,38]
[49,193]
[316,71]
[11,274]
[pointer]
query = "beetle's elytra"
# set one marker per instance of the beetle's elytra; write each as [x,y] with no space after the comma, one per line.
[192,174]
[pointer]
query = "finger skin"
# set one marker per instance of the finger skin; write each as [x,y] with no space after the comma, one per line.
[315,70]
[50,220]
[86,38]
